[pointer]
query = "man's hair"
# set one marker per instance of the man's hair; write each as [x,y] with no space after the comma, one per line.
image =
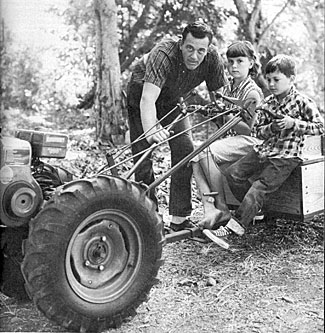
[283,63]
[198,29]
[244,49]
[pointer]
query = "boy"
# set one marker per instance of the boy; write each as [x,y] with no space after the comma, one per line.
[271,162]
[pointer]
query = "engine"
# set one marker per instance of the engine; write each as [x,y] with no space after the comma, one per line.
[26,181]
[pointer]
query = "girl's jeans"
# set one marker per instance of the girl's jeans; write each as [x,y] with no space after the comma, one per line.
[180,187]
[268,175]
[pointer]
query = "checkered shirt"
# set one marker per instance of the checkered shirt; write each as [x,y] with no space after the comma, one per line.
[165,68]
[288,143]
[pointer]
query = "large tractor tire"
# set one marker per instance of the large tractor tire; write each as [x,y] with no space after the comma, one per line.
[93,253]
[12,282]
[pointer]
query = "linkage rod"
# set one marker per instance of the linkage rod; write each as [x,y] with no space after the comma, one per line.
[221,131]
[142,136]
[108,168]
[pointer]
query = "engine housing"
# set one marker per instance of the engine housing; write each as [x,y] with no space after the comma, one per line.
[20,194]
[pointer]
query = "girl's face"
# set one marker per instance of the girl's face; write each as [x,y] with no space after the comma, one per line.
[279,84]
[239,67]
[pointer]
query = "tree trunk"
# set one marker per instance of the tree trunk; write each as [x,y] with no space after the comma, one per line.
[110,125]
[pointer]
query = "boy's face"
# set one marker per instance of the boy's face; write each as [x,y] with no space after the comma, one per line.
[278,83]
[194,50]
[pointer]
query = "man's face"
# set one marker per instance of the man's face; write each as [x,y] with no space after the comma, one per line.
[194,50]
[278,83]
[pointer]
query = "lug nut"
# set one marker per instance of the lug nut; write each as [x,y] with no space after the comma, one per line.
[103,238]
[87,263]
[101,267]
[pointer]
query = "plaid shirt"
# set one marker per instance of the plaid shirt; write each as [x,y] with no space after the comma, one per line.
[165,68]
[288,143]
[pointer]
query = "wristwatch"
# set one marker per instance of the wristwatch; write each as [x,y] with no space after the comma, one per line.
[211,199]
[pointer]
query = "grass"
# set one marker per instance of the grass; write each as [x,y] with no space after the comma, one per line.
[271,282]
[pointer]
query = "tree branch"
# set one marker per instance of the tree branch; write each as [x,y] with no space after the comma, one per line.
[274,19]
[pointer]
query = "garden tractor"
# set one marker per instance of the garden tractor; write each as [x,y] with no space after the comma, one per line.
[85,251]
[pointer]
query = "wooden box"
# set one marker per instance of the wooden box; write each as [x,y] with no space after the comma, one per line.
[302,195]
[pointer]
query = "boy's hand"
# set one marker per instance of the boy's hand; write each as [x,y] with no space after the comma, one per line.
[281,124]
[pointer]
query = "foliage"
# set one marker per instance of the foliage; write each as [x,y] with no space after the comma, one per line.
[20,79]
[145,22]
[55,93]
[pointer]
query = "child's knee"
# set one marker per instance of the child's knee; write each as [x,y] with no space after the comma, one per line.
[232,174]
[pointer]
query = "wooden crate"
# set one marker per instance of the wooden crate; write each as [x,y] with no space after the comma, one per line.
[302,195]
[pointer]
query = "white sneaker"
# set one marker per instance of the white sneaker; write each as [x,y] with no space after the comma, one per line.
[234,226]
[211,234]
[258,217]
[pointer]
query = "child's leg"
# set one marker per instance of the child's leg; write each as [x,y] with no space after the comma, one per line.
[275,172]
[238,174]
[211,181]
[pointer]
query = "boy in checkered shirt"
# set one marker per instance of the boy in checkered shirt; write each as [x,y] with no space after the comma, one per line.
[271,163]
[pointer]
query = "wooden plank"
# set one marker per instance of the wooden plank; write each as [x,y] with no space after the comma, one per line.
[314,146]
[312,182]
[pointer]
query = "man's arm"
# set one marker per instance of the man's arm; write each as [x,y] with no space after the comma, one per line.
[148,113]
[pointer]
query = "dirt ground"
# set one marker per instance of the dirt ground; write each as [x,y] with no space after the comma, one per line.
[271,281]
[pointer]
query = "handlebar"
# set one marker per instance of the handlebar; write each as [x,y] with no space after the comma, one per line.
[271,113]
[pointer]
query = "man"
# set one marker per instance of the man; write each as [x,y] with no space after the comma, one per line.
[170,71]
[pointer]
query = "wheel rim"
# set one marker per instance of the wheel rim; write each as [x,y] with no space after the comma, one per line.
[103,256]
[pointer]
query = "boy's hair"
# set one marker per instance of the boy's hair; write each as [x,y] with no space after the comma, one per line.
[198,29]
[244,49]
[283,63]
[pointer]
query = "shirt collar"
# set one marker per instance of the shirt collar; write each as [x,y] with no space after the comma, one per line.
[232,81]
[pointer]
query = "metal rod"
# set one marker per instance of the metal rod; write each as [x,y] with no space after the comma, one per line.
[221,131]
[154,145]
[162,142]
[142,136]
[183,234]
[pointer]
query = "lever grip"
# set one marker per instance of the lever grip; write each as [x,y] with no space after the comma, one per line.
[271,113]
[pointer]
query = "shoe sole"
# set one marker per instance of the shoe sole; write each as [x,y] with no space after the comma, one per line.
[259,217]
[215,239]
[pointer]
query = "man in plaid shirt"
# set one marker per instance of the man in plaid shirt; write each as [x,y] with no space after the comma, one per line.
[292,117]
[170,71]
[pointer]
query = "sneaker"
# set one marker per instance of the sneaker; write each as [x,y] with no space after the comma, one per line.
[186,224]
[258,217]
[219,235]
[235,227]
[214,236]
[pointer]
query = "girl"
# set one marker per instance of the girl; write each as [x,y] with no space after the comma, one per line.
[242,65]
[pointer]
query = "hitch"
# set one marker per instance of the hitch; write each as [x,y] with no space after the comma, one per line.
[183,234]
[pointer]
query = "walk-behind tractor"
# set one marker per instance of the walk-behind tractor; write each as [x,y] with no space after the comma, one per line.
[86,251]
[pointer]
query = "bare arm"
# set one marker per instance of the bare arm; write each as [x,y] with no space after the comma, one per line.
[149,97]
[243,127]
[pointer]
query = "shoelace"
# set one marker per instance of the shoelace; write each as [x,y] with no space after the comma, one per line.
[222,231]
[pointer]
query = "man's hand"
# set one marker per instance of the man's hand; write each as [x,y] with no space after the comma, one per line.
[157,134]
[281,124]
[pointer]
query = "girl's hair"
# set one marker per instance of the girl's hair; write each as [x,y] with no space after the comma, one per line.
[283,63]
[245,49]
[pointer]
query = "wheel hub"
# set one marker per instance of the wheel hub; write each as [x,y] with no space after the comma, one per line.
[99,254]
